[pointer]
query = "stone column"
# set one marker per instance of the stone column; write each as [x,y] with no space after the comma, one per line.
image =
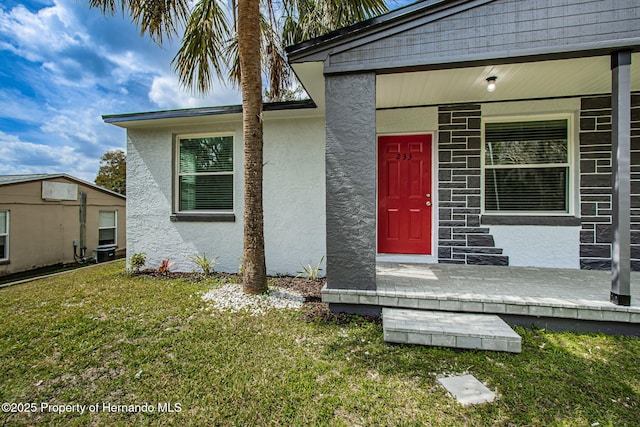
[351,180]
[621,180]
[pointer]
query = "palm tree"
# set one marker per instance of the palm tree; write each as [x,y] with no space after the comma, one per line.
[216,44]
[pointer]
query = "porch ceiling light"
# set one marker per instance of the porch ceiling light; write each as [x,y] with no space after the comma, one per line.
[491,83]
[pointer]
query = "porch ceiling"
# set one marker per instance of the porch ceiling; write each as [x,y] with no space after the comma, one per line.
[567,77]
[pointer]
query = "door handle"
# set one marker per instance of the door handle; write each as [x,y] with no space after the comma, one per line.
[428,203]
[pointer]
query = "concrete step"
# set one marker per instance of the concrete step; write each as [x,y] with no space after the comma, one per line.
[448,329]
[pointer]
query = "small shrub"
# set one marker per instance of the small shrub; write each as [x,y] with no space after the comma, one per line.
[165,266]
[207,265]
[312,273]
[137,261]
[240,266]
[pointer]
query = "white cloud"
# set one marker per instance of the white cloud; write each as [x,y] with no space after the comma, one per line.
[72,128]
[36,35]
[166,93]
[20,157]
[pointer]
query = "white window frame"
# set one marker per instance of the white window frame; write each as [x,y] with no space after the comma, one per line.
[115,228]
[177,174]
[6,236]
[570,163]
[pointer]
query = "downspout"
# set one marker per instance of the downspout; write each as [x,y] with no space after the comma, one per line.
[81,258]
[83,224]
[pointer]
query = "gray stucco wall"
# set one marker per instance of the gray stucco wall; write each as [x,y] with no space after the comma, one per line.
[351,181]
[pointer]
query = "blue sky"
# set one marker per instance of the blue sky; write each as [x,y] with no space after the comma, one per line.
[64,65]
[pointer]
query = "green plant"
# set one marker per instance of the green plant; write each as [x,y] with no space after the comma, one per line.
[137,261]
[207,265]
[312,273]
[165,266]
[240,266]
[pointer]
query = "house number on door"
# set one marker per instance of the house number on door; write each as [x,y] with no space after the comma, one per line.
[404,156]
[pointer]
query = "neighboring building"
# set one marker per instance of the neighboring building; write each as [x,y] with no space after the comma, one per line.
[405,155]
[40,222]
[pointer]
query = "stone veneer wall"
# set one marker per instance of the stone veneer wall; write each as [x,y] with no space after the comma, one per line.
[461,239]
[595,182]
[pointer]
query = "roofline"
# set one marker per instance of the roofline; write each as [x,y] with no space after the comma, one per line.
[318,43]
[40,177]
[204,111]
[32,177]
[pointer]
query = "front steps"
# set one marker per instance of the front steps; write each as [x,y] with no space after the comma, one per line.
[448,329]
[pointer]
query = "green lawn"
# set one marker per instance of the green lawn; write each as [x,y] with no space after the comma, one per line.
[97,337]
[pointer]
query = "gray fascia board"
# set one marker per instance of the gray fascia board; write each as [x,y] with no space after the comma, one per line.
[171,114]
[512,56]
[376,28]
[205,111]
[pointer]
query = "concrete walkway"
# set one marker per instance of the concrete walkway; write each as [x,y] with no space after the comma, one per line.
[517,291]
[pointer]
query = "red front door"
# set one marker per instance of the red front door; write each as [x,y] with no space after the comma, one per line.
[404,194]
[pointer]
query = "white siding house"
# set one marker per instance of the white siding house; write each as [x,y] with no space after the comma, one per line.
[294,182]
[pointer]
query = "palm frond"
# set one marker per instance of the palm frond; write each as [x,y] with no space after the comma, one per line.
[203,53]
[157,18]
[306,19]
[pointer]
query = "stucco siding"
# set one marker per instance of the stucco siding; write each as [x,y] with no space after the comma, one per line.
[351,181]
[150,205]
[293,198]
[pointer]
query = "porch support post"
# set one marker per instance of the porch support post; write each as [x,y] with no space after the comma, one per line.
[621,179]
[351,180]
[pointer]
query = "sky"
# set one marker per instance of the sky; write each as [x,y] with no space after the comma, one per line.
[63,66]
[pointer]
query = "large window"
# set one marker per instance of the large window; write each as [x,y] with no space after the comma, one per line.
[107,228]
[4,235]
[527,166]
[205,173]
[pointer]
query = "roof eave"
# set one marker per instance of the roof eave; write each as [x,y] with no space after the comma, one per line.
[46,177]
[203,112]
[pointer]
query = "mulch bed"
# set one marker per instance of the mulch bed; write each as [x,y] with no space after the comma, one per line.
[309,289]
[313,310]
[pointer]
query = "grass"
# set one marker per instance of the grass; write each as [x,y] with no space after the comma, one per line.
[99,337]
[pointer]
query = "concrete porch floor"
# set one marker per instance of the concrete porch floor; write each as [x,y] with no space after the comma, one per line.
[553,298]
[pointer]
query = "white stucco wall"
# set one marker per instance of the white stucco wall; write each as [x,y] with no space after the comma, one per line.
[294,204]
[294,196]
[539,246]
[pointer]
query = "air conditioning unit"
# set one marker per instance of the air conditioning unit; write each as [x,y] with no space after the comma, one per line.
[104,254]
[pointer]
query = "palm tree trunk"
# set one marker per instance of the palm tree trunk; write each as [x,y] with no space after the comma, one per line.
[254,275]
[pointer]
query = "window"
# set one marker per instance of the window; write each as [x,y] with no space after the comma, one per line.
[205,174]
[107,228]
[527,167]
[4,235]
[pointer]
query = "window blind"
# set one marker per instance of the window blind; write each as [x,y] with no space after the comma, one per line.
[526,166]
[205,176]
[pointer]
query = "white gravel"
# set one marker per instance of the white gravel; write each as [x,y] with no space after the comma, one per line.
[230,298]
